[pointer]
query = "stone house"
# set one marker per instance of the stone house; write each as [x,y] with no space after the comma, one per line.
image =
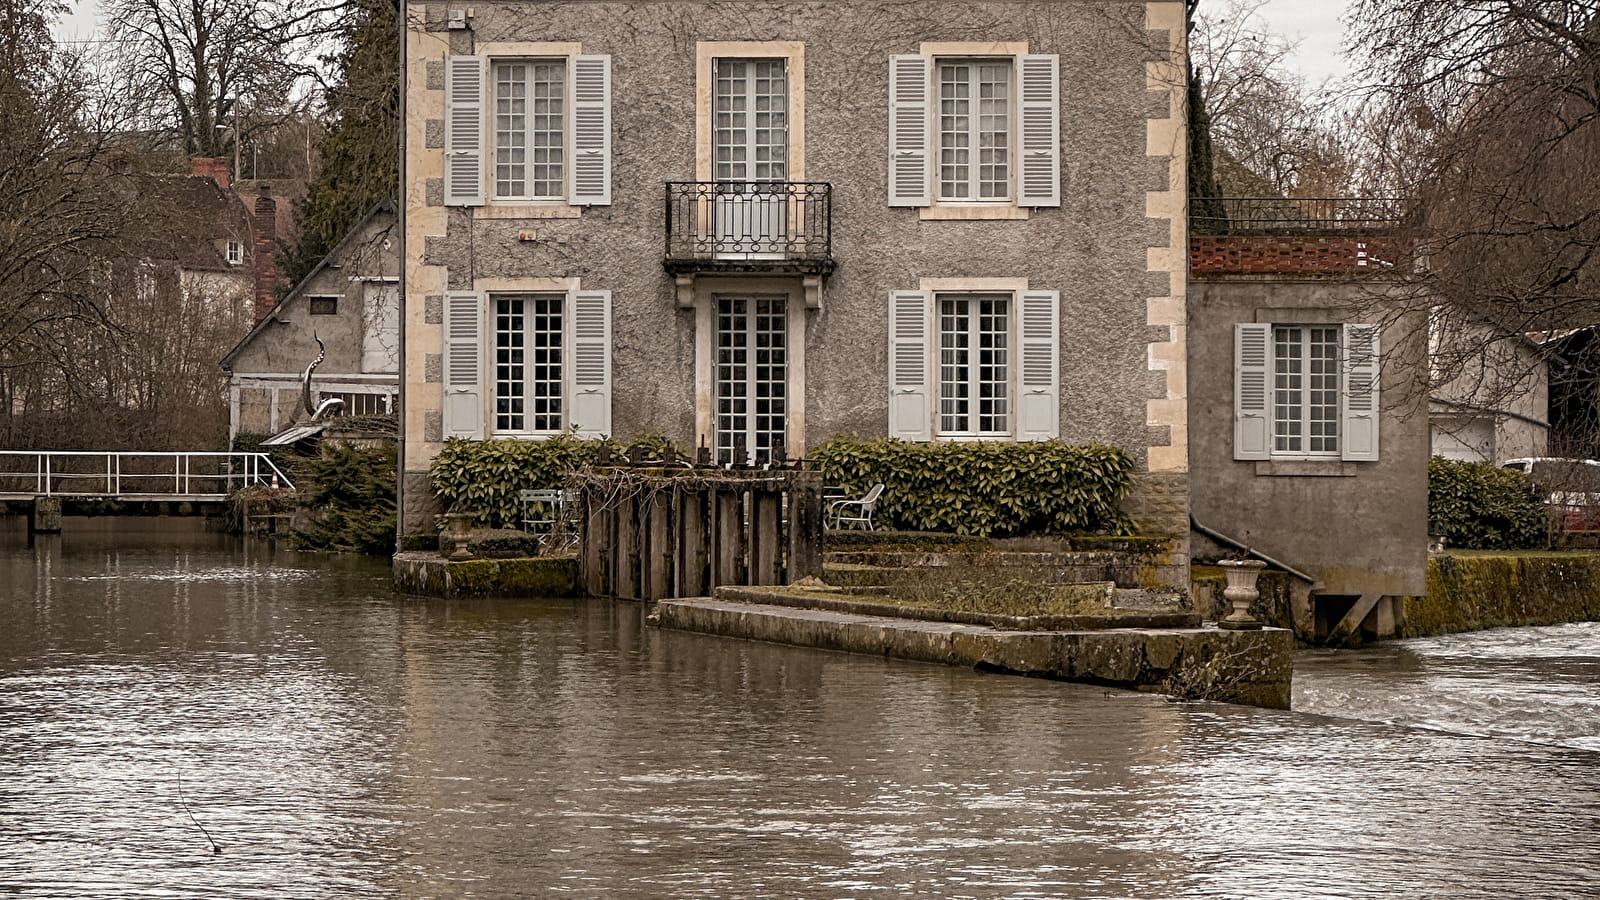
[754,225]
[350,301]
[1491,390]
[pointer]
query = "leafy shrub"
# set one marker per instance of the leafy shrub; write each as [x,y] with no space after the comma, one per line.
[487,477]
[1482,506]
[985,488]
[350,491]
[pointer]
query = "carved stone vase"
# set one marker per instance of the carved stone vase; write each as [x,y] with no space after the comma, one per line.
[1241,592]
[456,535]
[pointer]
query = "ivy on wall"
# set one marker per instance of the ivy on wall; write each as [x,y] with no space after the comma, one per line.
[986,488]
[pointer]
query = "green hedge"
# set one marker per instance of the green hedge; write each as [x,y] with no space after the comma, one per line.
[486,477]
[986,488]
[351,491]
[1481,506]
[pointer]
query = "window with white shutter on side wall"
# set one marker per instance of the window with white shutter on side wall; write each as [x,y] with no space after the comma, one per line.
[1039,172]
[1252,371]
[1039,380]
[465,80]
[1360,393]
[589,411]
[909,130]
[463,365]
[910,362]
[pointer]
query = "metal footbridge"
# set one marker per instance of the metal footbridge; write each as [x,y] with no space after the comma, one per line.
[133,476]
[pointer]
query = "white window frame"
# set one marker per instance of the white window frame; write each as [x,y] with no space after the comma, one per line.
[1295,421]
[974,333]
[974,181]
[493,147]
[1261,388]
[233,252]
[493,363]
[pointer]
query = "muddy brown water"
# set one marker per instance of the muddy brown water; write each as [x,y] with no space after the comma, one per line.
[336,741]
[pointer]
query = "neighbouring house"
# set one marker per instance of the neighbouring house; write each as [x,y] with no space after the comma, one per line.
[1307,374]
[1490,394]
[1574,391]
[757,225]
[350,301]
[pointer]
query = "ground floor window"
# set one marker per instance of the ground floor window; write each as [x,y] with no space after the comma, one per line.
[974,365]
[528,362]
[752,391]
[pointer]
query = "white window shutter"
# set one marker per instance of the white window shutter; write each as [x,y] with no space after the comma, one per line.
[463,365]
[910,364]
[591,131]
[1252,372]
[1039,181]
[1039,382]
[1360,394]
[465,80]
[589,363]
[909,130]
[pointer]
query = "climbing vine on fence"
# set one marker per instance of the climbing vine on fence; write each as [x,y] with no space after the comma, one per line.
[987,488]
[1482,506]
[487,477]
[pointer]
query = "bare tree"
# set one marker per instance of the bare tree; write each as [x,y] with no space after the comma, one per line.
[199,65]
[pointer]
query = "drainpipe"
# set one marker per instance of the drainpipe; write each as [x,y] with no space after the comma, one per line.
[1221,538]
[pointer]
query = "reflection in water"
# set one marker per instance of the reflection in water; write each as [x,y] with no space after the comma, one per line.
[341,742]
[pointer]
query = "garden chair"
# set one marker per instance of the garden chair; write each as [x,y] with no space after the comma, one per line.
[855,512]
[540,510]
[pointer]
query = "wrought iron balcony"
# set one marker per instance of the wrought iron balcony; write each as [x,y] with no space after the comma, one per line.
[751,226]
[1302,216]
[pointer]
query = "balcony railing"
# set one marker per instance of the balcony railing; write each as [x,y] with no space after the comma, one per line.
[764,226]
[1301,216]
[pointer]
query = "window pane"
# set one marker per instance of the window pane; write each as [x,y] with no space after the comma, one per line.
[529,128]
[510,364]
[1305,398]
[528,363]
[974,364]
[974,98]
[750,120]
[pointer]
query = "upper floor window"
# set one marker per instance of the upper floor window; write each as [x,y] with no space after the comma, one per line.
[234,253]
[527,128]
[750,120]
[974,129]
[324,306]
[530,108]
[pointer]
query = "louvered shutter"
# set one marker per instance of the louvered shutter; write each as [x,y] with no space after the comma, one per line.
[1360,395]
[465,79]
[1039,181]
[1252,370]
[910,361]
[589,381]
[463,365]
[1039,382]
[909,128]
[591,131]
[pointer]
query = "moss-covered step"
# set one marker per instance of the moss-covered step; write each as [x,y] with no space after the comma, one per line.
[423,572]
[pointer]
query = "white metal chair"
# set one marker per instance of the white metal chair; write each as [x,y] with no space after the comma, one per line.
[540,510]
[855,512]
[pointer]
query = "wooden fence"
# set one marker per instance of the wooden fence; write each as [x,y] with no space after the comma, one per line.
[648,534]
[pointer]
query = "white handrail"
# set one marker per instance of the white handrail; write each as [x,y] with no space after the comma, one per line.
[64,473]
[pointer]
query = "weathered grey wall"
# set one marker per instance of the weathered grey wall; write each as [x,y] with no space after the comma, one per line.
[1361,527]
[1096,249]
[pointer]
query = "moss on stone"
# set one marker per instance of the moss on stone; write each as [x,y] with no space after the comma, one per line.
[1471,591]
[521,577]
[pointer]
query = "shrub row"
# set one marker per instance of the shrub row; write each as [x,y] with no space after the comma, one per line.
[985,488]
[1481,506]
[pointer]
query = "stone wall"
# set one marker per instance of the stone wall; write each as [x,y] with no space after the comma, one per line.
[1297,255]
[1468,592]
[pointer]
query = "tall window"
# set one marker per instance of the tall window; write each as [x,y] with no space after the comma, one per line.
[530,107]
[1305,389]
[751,120]
[528,362]
[974,364]
[974,103]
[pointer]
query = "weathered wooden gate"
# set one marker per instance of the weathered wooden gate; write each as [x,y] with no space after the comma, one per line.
[647,534]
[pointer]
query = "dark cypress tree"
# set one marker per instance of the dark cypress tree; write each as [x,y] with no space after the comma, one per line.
[1206,212]
[360,152]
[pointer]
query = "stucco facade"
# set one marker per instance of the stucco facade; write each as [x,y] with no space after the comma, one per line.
[1352,514]
[350,301]
[1103,257]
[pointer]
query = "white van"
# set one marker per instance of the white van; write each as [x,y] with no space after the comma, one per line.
[1571,488]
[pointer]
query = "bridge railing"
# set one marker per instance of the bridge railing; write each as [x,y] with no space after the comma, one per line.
[83,473]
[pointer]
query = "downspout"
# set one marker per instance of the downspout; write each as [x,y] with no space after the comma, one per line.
[402,11]
[1221,538]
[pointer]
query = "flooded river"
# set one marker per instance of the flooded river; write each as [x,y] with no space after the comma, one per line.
[161,692]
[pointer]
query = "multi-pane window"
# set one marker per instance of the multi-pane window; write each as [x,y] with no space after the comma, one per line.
[974,114]
[752,377]
[750,109]
[528,362]
[530,108]
[974,364]
[1305,389]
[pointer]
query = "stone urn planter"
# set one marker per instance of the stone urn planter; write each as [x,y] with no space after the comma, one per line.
[456,535]
[1241,592]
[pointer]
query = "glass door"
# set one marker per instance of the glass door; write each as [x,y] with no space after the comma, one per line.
[750,158]
[752,378]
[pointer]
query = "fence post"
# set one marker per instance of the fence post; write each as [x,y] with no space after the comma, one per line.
[805,526]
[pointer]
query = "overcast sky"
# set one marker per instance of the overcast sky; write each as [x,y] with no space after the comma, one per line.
[1315,24]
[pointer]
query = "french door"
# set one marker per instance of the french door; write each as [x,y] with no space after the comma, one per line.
[752,369]
[750,158]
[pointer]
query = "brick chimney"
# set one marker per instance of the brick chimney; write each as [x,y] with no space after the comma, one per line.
[214,167]
[266,253]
